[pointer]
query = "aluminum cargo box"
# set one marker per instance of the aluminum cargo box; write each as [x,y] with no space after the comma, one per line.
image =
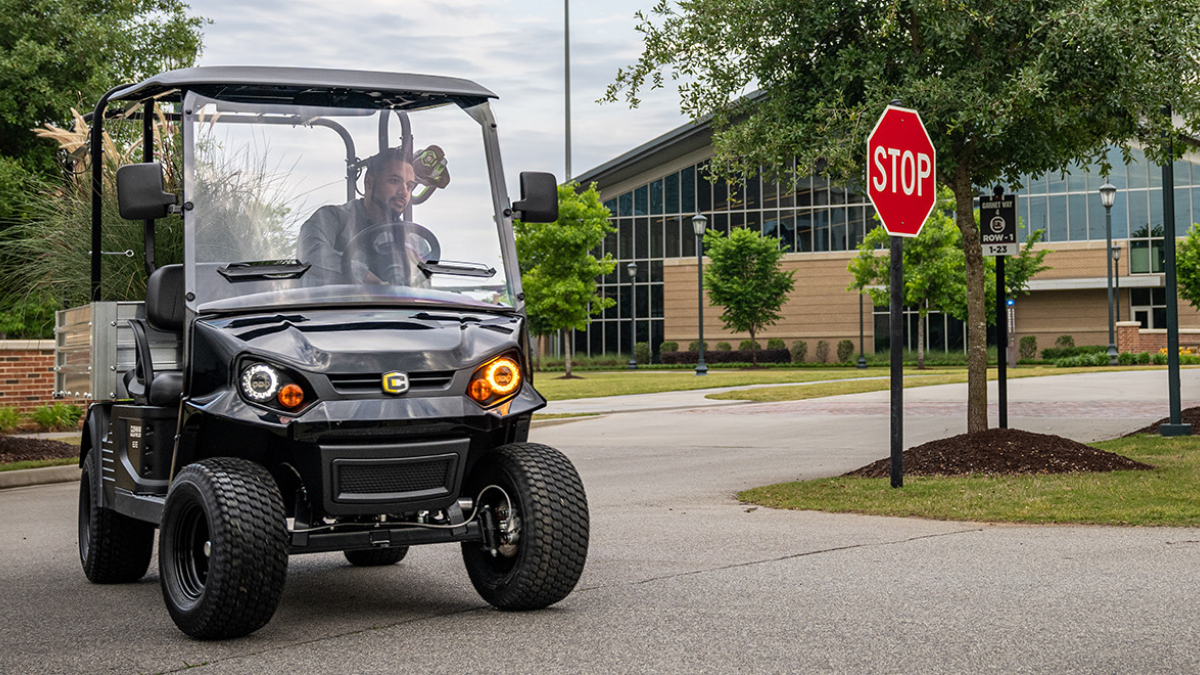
[93,348]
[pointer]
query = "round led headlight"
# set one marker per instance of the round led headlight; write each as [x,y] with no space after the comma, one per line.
[260,382]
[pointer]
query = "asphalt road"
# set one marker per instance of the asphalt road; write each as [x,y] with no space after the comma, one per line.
[683,579]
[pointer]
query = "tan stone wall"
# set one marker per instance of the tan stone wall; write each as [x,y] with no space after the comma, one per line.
[819,308]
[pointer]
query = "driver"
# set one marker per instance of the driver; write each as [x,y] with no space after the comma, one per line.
[387,190]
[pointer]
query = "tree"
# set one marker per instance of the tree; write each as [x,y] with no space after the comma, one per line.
[1187,267]
[934,268]
[558,269]
[56,55]
[61,54]
[1003,88]
[744,277]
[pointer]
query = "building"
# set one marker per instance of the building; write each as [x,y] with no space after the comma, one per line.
[655,189]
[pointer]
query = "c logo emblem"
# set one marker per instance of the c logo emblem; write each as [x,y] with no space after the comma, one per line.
[395,382]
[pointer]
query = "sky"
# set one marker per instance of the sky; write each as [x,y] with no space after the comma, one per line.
[513,48]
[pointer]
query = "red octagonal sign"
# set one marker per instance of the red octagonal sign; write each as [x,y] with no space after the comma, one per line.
[901,165]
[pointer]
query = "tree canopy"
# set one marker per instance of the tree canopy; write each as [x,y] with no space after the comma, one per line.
[558,269]
[744,277]
[1004,89]
[56,55]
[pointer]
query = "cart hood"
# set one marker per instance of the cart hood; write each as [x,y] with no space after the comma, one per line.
[366,341]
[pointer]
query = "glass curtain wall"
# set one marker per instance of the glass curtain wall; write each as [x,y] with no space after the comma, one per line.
[653,224]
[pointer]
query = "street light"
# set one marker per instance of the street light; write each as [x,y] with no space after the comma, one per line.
[1116,256]
[862,359]
[1108,194]
[632,267]
[699,224]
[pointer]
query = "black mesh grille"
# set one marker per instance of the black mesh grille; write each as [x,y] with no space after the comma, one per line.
[394,478]
[372,383]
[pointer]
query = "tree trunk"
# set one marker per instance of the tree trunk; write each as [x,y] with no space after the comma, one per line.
[567,351]
[964,195]
[921,338]
[753,350]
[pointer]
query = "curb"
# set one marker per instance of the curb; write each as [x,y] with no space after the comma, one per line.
[68,473]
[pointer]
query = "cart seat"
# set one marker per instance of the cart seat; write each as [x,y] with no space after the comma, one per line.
[164,312]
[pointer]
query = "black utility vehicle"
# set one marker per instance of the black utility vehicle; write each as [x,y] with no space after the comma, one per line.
[341,363]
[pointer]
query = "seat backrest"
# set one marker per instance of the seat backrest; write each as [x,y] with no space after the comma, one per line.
[164,298]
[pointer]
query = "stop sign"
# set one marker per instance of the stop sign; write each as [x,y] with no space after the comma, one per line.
[900,169]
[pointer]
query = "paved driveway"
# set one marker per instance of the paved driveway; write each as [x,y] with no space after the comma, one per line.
[681,578]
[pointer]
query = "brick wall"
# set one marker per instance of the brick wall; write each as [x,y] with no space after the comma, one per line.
[1132,338]
[27,375]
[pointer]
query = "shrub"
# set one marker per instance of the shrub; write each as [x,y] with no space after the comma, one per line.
[1064,341]
[724,346]
[1055,353]
[668,347]
[845,349]
[822,351]
[1126,358]
[9,419]
[1158,359]
[747,345]
[1143,359]
[1028,347]
[731,356]
[799,351]
[694,346]
[57,416]
[641,352]
[776,343]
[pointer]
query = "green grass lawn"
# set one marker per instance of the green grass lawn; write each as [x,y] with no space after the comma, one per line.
[913,378]
[1165,496]
[39,463]
[644,381]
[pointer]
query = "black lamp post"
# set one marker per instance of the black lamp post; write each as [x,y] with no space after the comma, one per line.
[1116,256]
[1108,194]
[862,359]
[632,267]
[699,223]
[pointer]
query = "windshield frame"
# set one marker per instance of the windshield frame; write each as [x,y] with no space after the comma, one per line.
[479,111]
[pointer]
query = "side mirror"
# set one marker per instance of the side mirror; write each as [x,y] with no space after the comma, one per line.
[539,198]
[140,194]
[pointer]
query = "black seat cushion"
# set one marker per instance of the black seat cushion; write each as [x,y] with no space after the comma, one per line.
[164,298]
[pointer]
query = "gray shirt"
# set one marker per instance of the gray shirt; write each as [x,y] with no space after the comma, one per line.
[323,240]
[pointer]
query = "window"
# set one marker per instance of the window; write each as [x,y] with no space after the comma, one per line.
[1149,306]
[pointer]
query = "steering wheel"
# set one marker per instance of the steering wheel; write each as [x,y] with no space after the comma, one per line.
[384,250]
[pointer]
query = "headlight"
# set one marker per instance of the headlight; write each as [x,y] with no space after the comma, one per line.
[260,382]
[495,381]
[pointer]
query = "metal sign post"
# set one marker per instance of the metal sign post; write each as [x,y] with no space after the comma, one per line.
[998,232]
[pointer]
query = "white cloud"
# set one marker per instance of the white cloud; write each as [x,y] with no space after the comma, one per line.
[513,48]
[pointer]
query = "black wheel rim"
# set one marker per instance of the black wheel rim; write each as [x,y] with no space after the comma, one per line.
[192,548]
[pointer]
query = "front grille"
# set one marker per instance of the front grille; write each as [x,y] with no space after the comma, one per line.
[351,384]
[394,479]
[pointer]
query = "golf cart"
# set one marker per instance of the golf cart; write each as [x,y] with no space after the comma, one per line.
[312,377]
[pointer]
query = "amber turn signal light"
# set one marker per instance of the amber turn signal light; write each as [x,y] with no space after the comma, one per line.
[291,396]
[494,381]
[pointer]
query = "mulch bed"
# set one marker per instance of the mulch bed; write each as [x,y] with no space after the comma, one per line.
[1187,416]
[1001,451]
[16,449]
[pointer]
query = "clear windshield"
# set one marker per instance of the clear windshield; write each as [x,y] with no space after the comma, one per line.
[303,205]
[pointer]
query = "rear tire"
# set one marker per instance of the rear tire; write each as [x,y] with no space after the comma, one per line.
[546,560]
[113,548]
[376,557]
[222,554]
